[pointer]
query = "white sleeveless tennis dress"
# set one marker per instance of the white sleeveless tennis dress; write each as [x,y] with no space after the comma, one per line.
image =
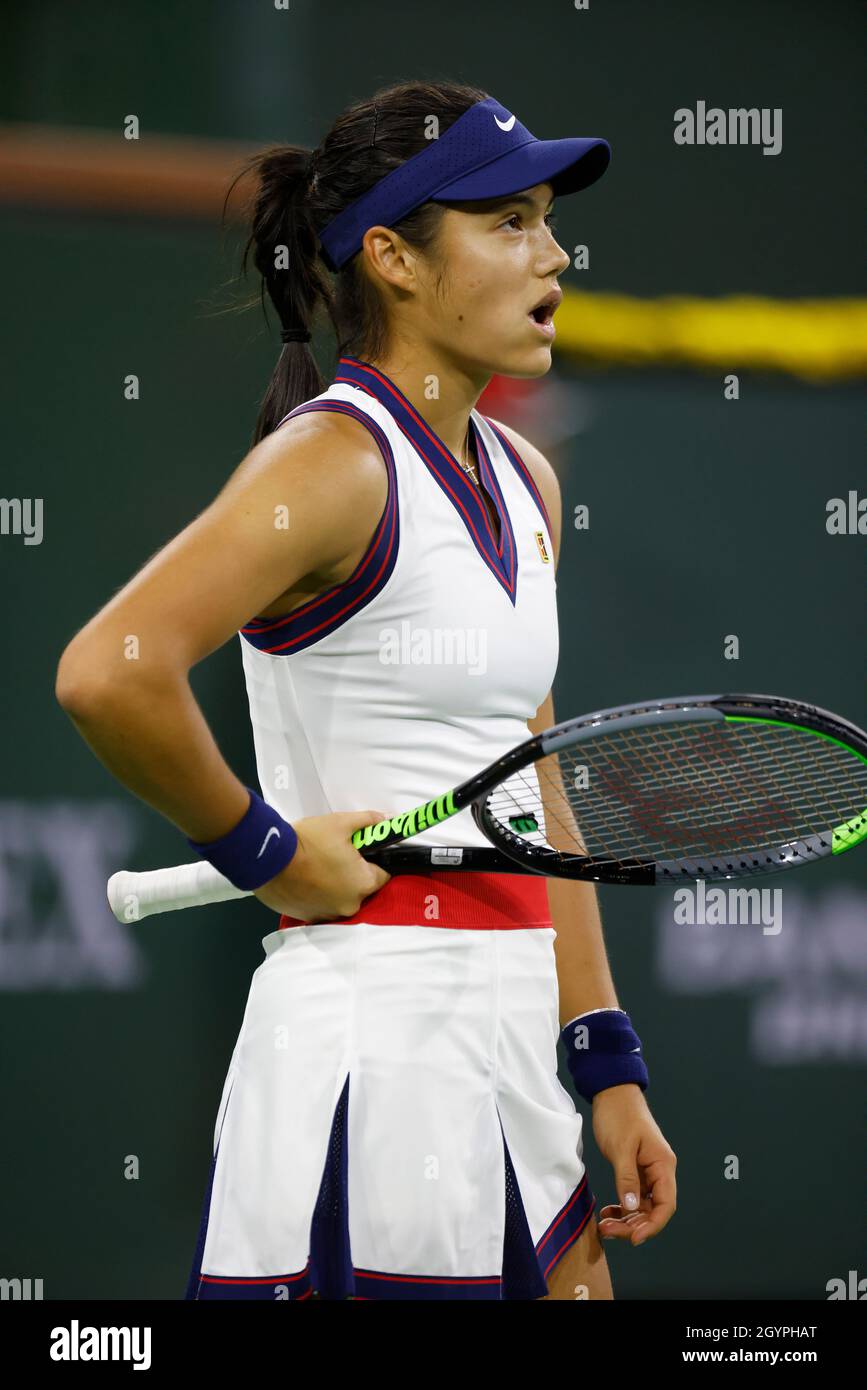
[391,1123]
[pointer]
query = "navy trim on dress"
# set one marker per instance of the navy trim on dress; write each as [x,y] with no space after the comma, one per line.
[500,557]
[330,1261]
[319,616]
[523,473]
[196,1268]
[330,1273]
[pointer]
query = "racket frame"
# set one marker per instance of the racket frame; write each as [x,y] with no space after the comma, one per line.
[385,842]
[134,895]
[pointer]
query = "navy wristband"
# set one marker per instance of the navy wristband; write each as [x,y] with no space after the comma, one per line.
[605,1052]
[261,844]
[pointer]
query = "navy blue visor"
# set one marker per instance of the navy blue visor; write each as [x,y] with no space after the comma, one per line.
[486,153]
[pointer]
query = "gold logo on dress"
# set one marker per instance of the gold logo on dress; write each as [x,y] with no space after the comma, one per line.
[540,541]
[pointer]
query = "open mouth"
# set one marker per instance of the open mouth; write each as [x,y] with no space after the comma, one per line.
[543,313]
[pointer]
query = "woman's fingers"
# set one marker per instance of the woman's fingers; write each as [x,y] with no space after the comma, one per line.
[664,1204]
[619,1214]
[621,1228]
[653,1214]
[633,1229]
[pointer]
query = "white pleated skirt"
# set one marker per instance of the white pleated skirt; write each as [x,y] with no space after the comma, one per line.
[391,1123]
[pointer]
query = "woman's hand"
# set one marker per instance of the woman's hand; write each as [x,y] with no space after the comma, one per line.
[643,1164]
[326,877]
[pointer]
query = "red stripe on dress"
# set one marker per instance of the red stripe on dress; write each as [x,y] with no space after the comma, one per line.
[447,898]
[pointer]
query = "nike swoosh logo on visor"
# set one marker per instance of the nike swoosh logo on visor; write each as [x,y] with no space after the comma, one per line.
[272,831]
[505,125]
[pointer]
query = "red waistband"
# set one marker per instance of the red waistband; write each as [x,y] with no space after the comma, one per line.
[446,899]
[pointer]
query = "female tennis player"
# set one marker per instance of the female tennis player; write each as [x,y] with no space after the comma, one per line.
[391,1123]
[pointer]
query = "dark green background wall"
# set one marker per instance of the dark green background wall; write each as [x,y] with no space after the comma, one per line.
[707,518]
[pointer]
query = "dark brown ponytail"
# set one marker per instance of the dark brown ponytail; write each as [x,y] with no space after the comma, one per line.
[299,191]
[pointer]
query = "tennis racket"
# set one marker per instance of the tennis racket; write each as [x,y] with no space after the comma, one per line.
[698,787]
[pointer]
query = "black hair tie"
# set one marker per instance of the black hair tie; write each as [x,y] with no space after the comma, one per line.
[295,335]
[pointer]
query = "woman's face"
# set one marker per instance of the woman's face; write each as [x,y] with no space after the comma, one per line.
[501,258]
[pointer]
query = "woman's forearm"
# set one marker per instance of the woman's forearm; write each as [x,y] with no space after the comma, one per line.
[151,735]
[583,973]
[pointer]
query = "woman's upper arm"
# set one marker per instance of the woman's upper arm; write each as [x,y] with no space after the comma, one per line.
[303,499]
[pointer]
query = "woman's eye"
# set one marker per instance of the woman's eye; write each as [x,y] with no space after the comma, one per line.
[550,220]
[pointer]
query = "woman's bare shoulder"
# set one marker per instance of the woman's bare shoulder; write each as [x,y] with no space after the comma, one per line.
[327,441]
[335,481]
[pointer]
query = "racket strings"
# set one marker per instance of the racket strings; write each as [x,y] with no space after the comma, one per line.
[747,792]
[684,791]
[751,796]
[758,791]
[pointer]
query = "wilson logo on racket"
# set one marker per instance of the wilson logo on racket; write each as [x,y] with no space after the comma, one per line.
[408,822]
[540,541]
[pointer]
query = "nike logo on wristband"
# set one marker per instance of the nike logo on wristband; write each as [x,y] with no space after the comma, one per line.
[272,831]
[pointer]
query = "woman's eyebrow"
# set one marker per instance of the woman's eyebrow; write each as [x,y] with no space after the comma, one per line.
[522,198]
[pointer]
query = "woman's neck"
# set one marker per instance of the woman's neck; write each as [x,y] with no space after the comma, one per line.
[442,396]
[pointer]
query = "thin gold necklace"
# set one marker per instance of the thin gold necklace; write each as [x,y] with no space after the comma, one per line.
[469,468]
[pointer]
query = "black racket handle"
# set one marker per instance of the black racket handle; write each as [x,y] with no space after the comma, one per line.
[426,859]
